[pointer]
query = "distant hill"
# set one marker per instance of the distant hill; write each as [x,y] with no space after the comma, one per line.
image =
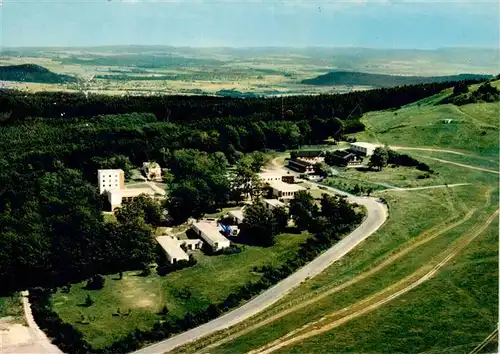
[353,78]
[32,73]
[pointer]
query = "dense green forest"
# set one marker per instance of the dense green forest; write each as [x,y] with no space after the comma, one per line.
[461,95]
[19,105]
[352,78]
[32,73]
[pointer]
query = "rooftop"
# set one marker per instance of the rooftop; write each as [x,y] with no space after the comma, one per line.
[300,162]
[365,145]
[110,170]
[172,247]
[238,214]
[344,154]
[269,174]
[285,187]
[211,230]
[274,202]
[132,192]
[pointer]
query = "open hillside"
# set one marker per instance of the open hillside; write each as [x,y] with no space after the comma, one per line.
[353,78]
[33,73]
[427,281]
[470,128]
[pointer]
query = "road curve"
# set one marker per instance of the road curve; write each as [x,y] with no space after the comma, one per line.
[376,216]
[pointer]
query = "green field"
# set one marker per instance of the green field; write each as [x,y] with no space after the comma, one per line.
[452,313]
[422,126]
[449,233]
[11,306]
[211,280]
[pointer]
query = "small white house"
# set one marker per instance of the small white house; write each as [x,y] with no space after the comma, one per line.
[152,170]
[270,176]
[365,149]
[210,233]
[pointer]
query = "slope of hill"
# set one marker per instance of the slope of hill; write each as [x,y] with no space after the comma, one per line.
[32,73]
[378,80]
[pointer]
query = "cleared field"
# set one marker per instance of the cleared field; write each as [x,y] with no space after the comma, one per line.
[211,280]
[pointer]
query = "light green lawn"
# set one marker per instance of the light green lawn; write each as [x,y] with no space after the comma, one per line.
[211,280]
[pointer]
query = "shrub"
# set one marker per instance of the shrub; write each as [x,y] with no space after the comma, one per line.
[88,301]
[95,283]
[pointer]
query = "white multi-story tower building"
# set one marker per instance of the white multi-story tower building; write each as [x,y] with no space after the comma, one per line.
[110,180]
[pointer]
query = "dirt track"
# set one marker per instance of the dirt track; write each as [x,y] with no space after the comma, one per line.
[338,318]
[307,300]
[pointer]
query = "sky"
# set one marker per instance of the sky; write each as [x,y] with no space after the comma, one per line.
[239,23]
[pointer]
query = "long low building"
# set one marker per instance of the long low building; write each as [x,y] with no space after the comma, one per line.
[117,196]
[364,149]
[209,231]
[284,191]
[173,247]
[273,203]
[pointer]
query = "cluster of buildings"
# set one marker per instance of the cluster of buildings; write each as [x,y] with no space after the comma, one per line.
[304,161]
[216,234]
[112,184]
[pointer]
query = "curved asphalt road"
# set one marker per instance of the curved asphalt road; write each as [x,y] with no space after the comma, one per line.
[376,216]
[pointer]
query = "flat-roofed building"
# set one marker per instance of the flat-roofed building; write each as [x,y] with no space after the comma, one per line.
[270,176]
[273,203]
[209,231]
[284,191]
[172,249]
[364,149]
[175,249]
[116,197]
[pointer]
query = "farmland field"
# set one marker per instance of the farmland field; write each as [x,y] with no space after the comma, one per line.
[247,72]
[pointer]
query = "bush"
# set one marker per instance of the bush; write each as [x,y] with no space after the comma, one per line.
[88,301]
[95,283]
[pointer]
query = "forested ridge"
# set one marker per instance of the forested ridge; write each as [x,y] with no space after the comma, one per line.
[381,80]
[32,73]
